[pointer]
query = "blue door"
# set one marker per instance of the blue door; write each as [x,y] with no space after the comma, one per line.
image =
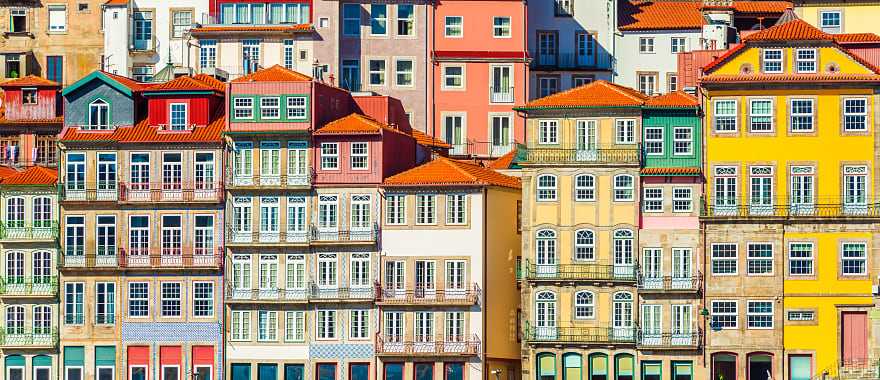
[267,371]
[241,371]
[294,372]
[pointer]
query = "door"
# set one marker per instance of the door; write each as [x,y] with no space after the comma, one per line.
[500,136]
[454,131]
[855,338]
[622,318]
[545,321]
[761,192]
[351,74]
[725,195]
[106,175]
[651,322]
[267,372]
[802,198]
[294,372]
[241,371]
[652,271]
[502,84]
[547,49]
[682,278]
[425,279]
[586,140]
[681,325]
[394,279]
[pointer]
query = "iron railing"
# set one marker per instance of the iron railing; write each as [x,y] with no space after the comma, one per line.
[725,209]
[240,295]
[235,236]
[88,192]
[389,345]
[423,296]
[282,181]
[501,94]
[581,272]
[685,340]
[352,235]
[24,231]
[565,61]
[691,284]
[46,286]
[571,333]
[318,293]
[189,191]
[147,258]
[21,338]
[603,155]
[483,149]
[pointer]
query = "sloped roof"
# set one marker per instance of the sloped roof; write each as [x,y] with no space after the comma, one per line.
[794,30]
[142,132]
[504,161]
[6,171]
[447,172]
[34,175]
[659,15]
[599,93]
[116,2]
[355,124]
[123,84]
[276,73]
[429,141]
[676,99]
[30,81]
[747,7]
[127,82]
[688,171]
[856,38]
[211,81]
[185,83]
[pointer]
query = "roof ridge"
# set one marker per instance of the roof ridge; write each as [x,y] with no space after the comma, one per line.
[459,169]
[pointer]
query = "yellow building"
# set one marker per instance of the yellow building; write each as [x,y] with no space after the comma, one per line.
[790,214]
[840,16]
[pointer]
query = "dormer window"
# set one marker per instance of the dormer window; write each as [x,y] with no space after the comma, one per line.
[805,60]
[29,96]
[178,116]
[99,114]
[772,61]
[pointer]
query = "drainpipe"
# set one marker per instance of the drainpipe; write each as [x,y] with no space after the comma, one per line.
[484,294]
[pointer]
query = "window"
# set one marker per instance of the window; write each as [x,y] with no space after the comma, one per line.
[725,116]
[181,23]
[207,54]
[772,61]
[288,55]
[646,45]
[584,245]
[648,83]
[761,115]
[453,76]
[404,72]
[563,8]
[243,108]
[854,188]
[456,208]
[74,236]
[57,18]
[106,235]
[29,96]
[585,187]
[454,26]
[267,325]
[143,31]
[177,116]
[625,131]
[326,324]
[294,326]
[99,115]
[682,141]
[171,299]
[297,108]
[759,314]
[73,303]
[682,199]
[671,82]
[328,211]
[142,73]
[801,315]
[329,156]
[855,115]
[327,270]
[13,65]
[800,259]
[724,259]
[653,201]
[42,320]
[654,141]
[805,60]
[359,156]
[546,187]
[241,325]
[359,324]
[831,21]
[138,299]
[203,299]
[351,20]
[724,314]
[426,209]
[759,258]
[853,259]
[623,188]
[548,131]
[15,212]
[501,27]
[360,212]
[360,270]
[677,45]
[172,232]
[547,85]
[17,24]
[378,20]
[105,303]
[377,72]
[395,209]
[270,108]
[801,114]
[454,326]
[405,20]
[581,80]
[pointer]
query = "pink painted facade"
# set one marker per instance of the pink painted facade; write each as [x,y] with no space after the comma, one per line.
[29,121]
[389,153]
[479,73]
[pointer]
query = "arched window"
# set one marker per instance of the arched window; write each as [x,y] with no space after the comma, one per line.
[623,188]
[546,366]
[545,247]
[623,296]
[545,296]
[584,305]
[42,212]
[572,365]
[622,315]
[624,367]
[623,247]
[99,114]
[15,320]
[14,267]
[584,245]
[545,316]
[585,188]
[598,366]
[42,366]
[15,212]
[546,187]
[42,267]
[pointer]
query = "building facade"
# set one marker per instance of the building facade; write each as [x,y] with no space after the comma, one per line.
[834,16]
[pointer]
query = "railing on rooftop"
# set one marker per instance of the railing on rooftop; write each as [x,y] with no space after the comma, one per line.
[600,155]
[581,272]
[29,230]
[742,208]
[392,345]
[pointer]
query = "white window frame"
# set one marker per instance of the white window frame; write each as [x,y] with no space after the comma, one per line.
[652,201]
[735,259]
[243,108]
[831,28]
[276,109]
[587,190]
[293,107]
[682,142]
[805,60]
[792,115]
[646,45]
[625,131]
[649,141]
[716,116]
[447,28]
[548,132]
[679,200]
[622,192]
[753,115]
[811,258]
[171,124]
[546,192]
[771,314]
[456,205]
[325,165]
[750,259]
[211,299]
[863,258]
[395,209]
[501,31]
[365,155]
[735,314]
[863,115]
[774,61]
[426,212]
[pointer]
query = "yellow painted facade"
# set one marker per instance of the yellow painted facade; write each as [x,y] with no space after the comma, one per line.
[855,17]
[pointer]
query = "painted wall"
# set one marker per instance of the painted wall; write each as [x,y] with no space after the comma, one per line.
[229,58]
[200,109]
[856,18]
[45,108]
[662,62]
[123,111]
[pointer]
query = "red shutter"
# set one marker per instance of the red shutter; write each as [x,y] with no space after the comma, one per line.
[203,355]
[139,356]
[170,355]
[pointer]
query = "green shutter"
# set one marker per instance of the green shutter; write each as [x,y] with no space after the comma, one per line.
[74,356]
[42,361]
[14,361]
[105,356]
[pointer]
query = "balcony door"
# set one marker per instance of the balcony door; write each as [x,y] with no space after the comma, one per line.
[651,322]
[454,130]
[586,140]
[395,279]
[502,84]
[425,271]
[622,317]
[548,47]
[545,316]
[652,270]
[501,135]
[682,277]
[681,326]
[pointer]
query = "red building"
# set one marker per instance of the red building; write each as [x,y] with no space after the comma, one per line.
[30,118]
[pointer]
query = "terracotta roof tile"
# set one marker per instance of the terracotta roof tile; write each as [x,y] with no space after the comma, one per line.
[53,121]
[797,30]
[142,132]
[790,78]
[724,57]
[428,141]
[447,172]
[34,175]
[116,2]
[672,100]
[211,81]
[504,161]
[275,73]
[254,28]
[599,93]
[659,15]
[6,171]
[354,124]
[671,171]
[183,83]
[128,82]
[761,6]
[30,81]
[856,38]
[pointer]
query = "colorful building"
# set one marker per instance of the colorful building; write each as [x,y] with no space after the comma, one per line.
[836,16]
[141,210]
[448,311]
[789,222]
[29,122]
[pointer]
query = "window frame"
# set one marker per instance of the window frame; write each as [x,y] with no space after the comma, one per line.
[734,313]
[750,314]
[752,115]
[652,203]
[773,61]
[550,193]
[621,190]
[496,28]
[811,258]
[589,191]
[648,140]
[734,259]
[798,60]
[792,115]
[447,27]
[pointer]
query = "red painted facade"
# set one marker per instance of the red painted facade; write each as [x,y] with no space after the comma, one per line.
[389,153]
[46,106]
[385,109]
[326,104]
[200,108]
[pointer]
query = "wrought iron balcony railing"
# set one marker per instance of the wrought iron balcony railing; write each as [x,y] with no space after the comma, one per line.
[365,234]
[235,236]
[147,258]
[501,94]
[73,259]
[600,155]
[36,338]
[570,333]
[422,296]
[235,294]
[189,191]
[690,284]
[581,272]
[281,181]
[682,340]
[741,208]
[89,192]
[29,231]
[323,293]
[46,286]
[388,345]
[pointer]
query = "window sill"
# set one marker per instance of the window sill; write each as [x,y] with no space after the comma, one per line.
[18,34]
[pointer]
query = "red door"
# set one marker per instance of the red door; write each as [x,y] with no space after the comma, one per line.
[855,337]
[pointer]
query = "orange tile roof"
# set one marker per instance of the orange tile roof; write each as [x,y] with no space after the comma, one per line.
[276,73]
[53,121]
[254,28]
[724,57]
[354,124]
[761,6]
[30,81]
[6,171]
[673,99]
[34,175]
[142,132]
[790,78]
[128,82]
[599,93]
[855,38]
[504,161]
[211,81]
[797,30]
[184,83]
[670,171]
[116,2]
[659,15]
[428,141]
[443,171]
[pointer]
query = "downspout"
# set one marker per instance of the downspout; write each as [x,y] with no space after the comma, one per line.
[431,103]
[485,293]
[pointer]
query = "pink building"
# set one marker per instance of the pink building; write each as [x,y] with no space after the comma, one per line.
[479,72]
[30,118]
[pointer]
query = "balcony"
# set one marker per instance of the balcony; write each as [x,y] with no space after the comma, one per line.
[669,284]
[501,94]
[257,181]
[170,192]
[571,333]
[29,231]
[318,293]
[237,237]
[581,272]
[433,297]
[354,235]
[41,338]
[609,155]
[29,287]
[732,209]
[656,340]
[88,192]
[172,258]
[427,346]
[565,61]
[74,258]
[483,149]
[250,295]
